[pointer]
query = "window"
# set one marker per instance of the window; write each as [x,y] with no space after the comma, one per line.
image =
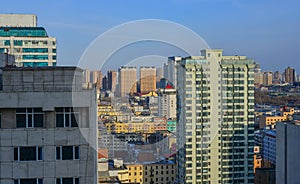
[66,117]
[67,180]
[28,181]
[38,50]
[28,153]
[29,117]
[67,152]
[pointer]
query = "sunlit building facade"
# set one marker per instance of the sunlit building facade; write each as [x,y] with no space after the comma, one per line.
[30,44]
[215,130]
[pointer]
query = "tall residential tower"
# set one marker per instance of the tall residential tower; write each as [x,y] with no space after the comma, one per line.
[147,79]
[215,118]
[127,80]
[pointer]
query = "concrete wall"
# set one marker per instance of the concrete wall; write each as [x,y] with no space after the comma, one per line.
[287,153]
[18,20]
[48,137]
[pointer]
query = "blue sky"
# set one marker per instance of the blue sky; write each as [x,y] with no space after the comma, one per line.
[265,30]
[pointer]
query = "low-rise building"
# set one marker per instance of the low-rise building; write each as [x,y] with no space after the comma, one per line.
[147,173]
[269,120]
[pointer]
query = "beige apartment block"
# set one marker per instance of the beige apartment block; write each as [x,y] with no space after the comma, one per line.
[147,79]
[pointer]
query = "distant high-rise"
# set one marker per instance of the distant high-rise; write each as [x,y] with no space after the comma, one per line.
[112,80]
[258,78]
[215,132]
[105,83]
[289,75]
[159,74]
[167,102]
[170,70]
[99,80]
[31,45]
[147,79]
[267,78]
[94,76]
[127,80]
[277,75]
[86,76]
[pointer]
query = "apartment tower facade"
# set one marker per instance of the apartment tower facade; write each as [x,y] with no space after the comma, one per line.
[127,80]
[147,79]
[30,44]
[215,118]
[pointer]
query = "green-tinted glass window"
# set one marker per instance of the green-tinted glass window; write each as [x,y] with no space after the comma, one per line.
[6,42]
[54,50]
[35,64]
[33,57]
[18,42]
[35,50]
[23,31]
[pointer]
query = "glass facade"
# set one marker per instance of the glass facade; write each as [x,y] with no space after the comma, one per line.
[35,64]
[35,57]
[30,45]
[37,50]
[23,32]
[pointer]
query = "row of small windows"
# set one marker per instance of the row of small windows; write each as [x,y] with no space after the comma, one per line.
[227,69]
[28,50]
[150,173]
[37,64]
[37,57]
[26,42]
[34,153]
[39,50]
[34,117]
[41,181]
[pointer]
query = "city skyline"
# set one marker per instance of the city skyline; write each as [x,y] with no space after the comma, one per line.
[247,28]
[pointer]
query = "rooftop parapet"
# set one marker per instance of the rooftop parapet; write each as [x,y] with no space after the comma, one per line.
[36,79]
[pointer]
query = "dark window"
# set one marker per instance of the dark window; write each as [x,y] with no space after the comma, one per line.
[28,153]
[57,153]
[29,181]
[76,152]
[66,117]
[67,181]
[29,117]
[67,152]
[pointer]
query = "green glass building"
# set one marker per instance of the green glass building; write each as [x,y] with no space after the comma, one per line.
[31,46]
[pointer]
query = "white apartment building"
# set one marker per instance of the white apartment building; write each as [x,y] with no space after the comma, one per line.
[48,127]
[170,69]
[167,102]
[215,118]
